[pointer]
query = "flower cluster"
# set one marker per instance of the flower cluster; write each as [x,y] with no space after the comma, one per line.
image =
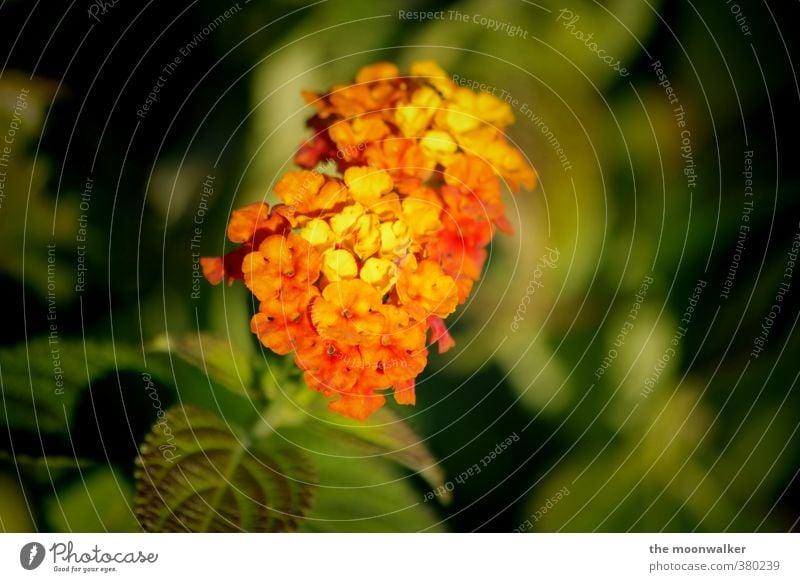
[352,270]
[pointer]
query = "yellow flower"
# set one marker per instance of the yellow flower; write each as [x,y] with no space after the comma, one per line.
[511,164]
[380,273]
[438,146]
[413,118]
[318,233]
[434,74]
[338,265]
[367,236]
[395,239]
[459,115]
[388,207]
[421,215]
[345,221]
[492,110]
[367,185]
[377,72]
[467,111]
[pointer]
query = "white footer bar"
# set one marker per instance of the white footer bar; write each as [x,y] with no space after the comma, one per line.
[401,557]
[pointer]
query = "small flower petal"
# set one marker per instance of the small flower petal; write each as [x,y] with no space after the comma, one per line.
[379,273]
[338,265]
[367,185]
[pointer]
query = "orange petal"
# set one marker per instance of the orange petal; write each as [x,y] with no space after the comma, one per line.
[299,187]
[346,312]
[328,366]
[404,392]
[213,269]
[357,406]
[277,334]
[427,291]
[246,222]
[377,72]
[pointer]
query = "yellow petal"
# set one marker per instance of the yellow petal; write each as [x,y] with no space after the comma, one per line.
[380,273]
[421,215]
[395,238]
[438,146]
[377,71]
[435,76]
[461,116]
[388,207]
[298,188]
[413,118]
[318,233]
[345,222]
[493,110]
[366,184]
[338,265]
[367,236]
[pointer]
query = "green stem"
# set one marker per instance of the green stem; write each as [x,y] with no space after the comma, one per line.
[285,409]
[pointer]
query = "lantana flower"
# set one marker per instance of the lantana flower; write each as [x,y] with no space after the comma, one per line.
[356,273]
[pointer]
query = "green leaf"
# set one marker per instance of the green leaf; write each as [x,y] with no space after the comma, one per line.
[195,474]
[41,382]
[44,469]
[359,493]
[218,359]
[101,501]
[14,515]
[386,436]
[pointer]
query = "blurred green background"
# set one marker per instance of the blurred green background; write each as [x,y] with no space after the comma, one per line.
[613,432]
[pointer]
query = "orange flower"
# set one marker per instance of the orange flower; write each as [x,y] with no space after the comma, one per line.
[401,353]
[314,149]
[348,135]
[328,366]
[246,222]
[307,193]
[249,226]
[281,264]
[348,312]
[353,270]
[359,403]
[473,190]
[403,159]
[283,329]
[427,290]
[460,249]
[377,87]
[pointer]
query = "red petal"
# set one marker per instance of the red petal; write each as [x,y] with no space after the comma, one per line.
[440,334]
